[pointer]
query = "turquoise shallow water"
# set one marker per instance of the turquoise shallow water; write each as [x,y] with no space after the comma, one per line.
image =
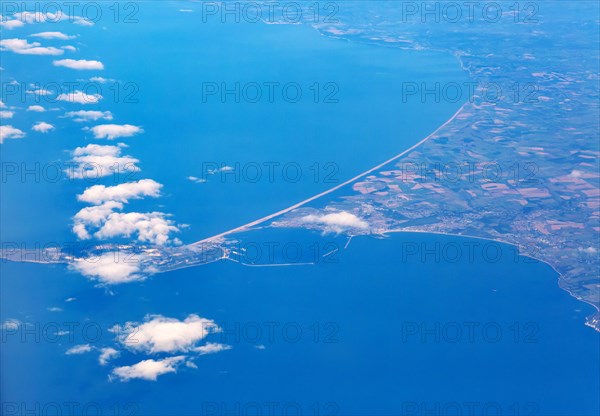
[362,348]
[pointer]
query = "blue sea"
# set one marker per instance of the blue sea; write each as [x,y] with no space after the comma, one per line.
[372,330]
[282,151]
[379,327]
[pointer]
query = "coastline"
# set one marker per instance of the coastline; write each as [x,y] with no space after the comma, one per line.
[335,188]
[560,276]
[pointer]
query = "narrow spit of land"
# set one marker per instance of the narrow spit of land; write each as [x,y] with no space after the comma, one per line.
[335,188]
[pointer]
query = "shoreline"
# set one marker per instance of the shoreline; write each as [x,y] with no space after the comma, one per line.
[330,190]
[501,242]
[355,178]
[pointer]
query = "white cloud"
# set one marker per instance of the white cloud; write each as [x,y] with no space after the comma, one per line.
[52,35]
[54,309]
[98,194]
[101,80]
[83,115]
[2,105]
[576,174]
[82,21]
[95,161]
[9,132]
[39,92]
[337,222]
[212,348]
[112,268]
[38,17]
[93,216]
[36,108]
[161,334]
[98,150]
[196,179]
[6,114]
[22,47]
[80,97]
[11,24]
[69,48]
[186,10]
[113,131]
[148,369]
[107,354]
[589,250]
[79,349]
[221,169]
[80,64]
[11,324]
[150,227]
[42,127]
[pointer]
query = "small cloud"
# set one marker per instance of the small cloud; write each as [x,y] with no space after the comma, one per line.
[79,349]
[99,194]
[337,222]
[161,334]
[42,127]
[70,299]
[113,131]
[196,179]
[260,347]
[589,250]
[576,174]
[11,325]
[36,108]
[22,47]
[6,114]
[221,169]
[69,48]
[39,92]
[148,369]
[52,35]
[95,161]
[80,97]
[101,80]
[10,132]
[11,24]
[39,17]
[212,348]
[82,21]
[186,10]
[80,64]
[54,309]
[83,115]
[151,227]
[107,354]
[111,268]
